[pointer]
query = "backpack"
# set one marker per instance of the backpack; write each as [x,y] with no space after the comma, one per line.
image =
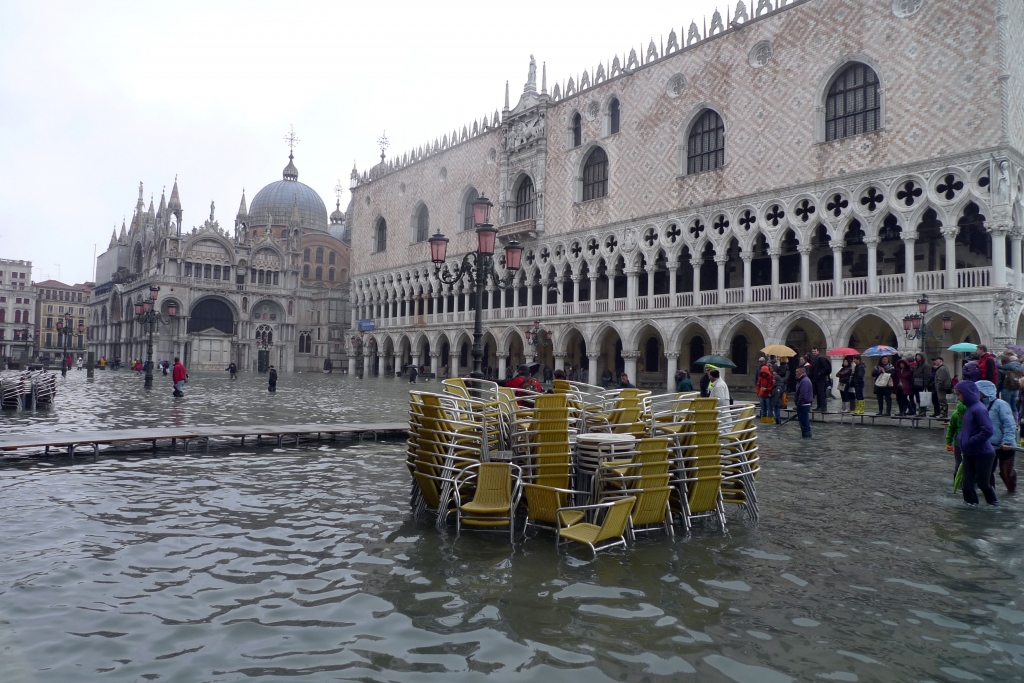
[1012,379]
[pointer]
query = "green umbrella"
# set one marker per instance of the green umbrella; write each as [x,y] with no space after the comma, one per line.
[964,347]
[958,479]
[719,361]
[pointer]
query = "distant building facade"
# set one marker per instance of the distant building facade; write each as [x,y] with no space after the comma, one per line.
[273,290]
[54,299]
[800,173]
[17,326]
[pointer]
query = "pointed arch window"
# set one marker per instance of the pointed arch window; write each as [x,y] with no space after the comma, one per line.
[595,175]
[577,130]
[613,116]
[705,147]
[380,241]
[422,224]
[853,105]
[524,200]
[467,209]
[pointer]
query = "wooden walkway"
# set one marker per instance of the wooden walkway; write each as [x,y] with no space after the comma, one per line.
[870,418]
[70,441]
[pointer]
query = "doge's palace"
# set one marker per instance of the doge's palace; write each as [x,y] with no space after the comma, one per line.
[798,172]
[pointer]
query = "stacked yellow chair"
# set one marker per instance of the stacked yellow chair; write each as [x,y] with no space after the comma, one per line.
[645,477]
[740,463]
[496,487]
[699,482]
[609,534]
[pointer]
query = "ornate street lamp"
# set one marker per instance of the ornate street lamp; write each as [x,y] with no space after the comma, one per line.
[146,314]
[478,265]
[914,326]
[64,326]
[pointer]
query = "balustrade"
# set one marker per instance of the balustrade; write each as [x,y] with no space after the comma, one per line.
[761,293]
[890,284]
[536,311]
[661,301]
[568,308]
[521,313]
[642,303]
[821,289]
[709,298]
[929,280]
[601,306]
[550,309]
[973,277]
[584,307]
[855,286]
[684,299]
[620,305]
[734,295]
[789,292]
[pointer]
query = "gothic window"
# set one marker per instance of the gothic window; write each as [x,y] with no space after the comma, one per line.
[595,175]
[524,200]
[422,224]
[330,275]
[319,254]
[188,273]
[331,258]
[853,106]
[380,236]
[275,277]
[705,148]
[652,355]
[577,130]
[207,271]
[226,273]
[613,116]
[319,273]
[216,272]
[467,210]
[305,255]
[305,272]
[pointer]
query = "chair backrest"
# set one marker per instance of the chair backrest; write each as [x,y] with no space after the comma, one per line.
[551,401]
[542,501]
[494,484]
[456,386]
[650,505]
[703,493]
[428,488]
[615,519]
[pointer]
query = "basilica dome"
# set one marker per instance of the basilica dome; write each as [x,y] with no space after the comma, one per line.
[278,198]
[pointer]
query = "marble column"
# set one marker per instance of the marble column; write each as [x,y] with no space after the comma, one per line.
[1015,261]
[721,262]
[434,355]
[395,360]
[805,270]
[775,254]
[502,358]
[872,245]
[672,268]
[672,358]
[592,375]
[576,290]
[631,288]
[999,231]
[559,282]
[593,291]
[559,361]
[630,358]
[837,268]
[696,263]
[747,258]
[909,267]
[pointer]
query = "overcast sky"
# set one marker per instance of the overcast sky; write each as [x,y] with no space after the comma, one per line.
[97,96]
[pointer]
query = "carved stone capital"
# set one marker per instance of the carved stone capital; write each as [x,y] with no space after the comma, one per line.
[775,253]
[501,354]
[593,356]
[696,262]
[804,249]
[672,355]
[721,260]
[746,256]
[632,355]
[838,246]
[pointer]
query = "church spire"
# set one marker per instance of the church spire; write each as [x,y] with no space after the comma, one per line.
[175,203]
[506,95]
[123,237]
[113,237]
[242,211]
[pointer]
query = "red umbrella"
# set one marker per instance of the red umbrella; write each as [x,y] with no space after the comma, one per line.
[842,353]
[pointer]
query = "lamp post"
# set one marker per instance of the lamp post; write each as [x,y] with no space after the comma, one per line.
[480,262]
[914,326]
[65,327]
[146,314]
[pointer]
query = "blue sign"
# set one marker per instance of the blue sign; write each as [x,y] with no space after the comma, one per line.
[366,325]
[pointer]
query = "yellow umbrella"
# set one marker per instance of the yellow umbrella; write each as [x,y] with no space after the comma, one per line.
[780,350]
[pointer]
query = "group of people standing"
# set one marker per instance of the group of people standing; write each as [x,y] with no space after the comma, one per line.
[908,378]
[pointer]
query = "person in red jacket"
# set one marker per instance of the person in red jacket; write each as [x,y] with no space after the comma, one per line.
[179,375]
[764,385]
[988,365]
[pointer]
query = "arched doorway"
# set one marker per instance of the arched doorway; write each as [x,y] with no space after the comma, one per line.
[745,347]
[211,329]
[610,363]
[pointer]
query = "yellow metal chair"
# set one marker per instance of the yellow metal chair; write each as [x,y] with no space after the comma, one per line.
[609,534]
[543,504]
[498,487]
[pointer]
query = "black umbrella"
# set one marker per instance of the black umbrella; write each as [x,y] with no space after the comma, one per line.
[719,361]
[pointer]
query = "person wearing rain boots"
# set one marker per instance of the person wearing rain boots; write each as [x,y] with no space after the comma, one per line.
[943,382]
[977,451]
[764,385]
[844,377]
[857,383]
[1004,434]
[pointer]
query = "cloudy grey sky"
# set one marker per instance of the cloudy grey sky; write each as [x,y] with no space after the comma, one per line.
[97,96]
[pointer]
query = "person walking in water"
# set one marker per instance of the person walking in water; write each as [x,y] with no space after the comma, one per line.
[804,399]
[179,375]
[272,379]
[978,454]
[233,369]
[1004,434]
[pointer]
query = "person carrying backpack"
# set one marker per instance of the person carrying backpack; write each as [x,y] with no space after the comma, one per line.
[1010,374]
[1004,435]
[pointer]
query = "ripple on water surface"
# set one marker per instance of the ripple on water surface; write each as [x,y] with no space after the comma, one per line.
[277,563]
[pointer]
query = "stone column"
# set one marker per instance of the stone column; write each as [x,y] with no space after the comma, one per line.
[559,361]
[673,365]
[998,232]
[502,358]
[377,363]
[630,358]
[559,281]
[652,268]
[872,245]
[515,299]
[775,254]
[747,258]
[434,355]
[837,268]
[805,270]
[366,361]
[529,298]
[720,261]
[909,267]
[696,263]
[352,363]
[631,288]
[593,289]
[576,289]
[1015,246]
[592,375]
[673,266]
[395,360]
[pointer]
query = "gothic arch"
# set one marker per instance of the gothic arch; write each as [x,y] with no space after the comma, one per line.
[594,341]
[938,308]
[683,140]
[561,337]
[584,152]
[850,324]
[734,323]
[685,325]
[507,335]
[825,82]
[784,327]
[631,341]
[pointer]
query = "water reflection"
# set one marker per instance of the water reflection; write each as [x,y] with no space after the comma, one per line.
[273,563]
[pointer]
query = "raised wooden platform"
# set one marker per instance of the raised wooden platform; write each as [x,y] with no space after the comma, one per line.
[152,435]
[872,419]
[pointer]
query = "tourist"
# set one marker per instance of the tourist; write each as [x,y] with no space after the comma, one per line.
[883,386]
[80,362]
[523,380]
[903,382]
[1004,434]
[705,381]
[972,371]
[1010,373]
[179,377]
[624,382]
[778,392]
[987,365]
[761,362]
[845,379]
[821,371]
[606,378]
[764,385]
[164,366]
[683,382]
[922,381]
[956,421]
[804,399]
[857,382]
[978,454]
[103,362]
[272,380]
[943,384]
[719,389]
[413,371]
[233,369]
[559,374]
[328,366]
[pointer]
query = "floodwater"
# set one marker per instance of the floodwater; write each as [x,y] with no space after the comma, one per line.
[285,564]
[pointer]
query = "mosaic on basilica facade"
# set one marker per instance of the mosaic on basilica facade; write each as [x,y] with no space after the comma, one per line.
[800,174]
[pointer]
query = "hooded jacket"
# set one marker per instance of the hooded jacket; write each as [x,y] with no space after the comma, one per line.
[956,421]
[999,412]
[977,426]
[765,382]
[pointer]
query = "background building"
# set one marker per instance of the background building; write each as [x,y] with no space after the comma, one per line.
[801,174]
[16,298]
[257,295]
[53,300]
